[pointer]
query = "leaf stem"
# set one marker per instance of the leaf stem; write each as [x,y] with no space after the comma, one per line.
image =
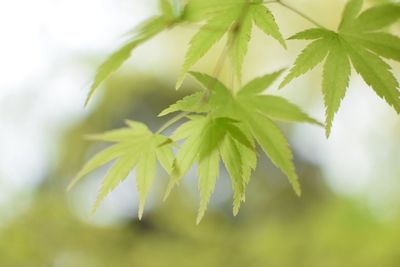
[295,10]
[172,121]
[217,71]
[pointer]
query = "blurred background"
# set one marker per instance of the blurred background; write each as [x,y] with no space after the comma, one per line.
[349,214]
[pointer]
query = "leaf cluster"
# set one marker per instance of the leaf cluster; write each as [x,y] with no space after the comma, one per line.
[225,125]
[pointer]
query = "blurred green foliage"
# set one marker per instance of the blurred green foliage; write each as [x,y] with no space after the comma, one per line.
[282,231]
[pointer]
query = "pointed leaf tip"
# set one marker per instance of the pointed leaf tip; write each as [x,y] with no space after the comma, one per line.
[298,191]
[140,211]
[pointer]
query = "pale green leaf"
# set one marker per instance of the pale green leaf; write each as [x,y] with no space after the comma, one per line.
[120,135]
[335,81]
[166,8]
[364,47]
[208,172]
[236,133]
[99,160]
[111,64]
[258,85]
[275,146]
[249,162]
[213,135]
[383,44]
[185,158]
[188,128]
[198,10]
[165,155]
[118,172]
[377,17]
[192,103]
[232,159]
[264,20]
[209,82]
[239,42]
[204,39]
[350,13]
[115,60]
[188,152]
[309,58]
[136,146]
[312,34]
[279,108]
[145,173]
[138,127]
[377,74]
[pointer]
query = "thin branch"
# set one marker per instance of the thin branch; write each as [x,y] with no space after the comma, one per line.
[294,10]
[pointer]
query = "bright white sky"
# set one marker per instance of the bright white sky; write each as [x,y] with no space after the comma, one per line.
[42,91]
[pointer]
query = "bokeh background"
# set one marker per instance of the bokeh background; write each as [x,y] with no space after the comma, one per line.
[349,214]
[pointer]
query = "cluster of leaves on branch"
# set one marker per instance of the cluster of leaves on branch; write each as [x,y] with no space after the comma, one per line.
[226,124]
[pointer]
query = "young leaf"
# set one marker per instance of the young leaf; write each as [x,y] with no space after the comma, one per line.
[231,156]
[205,39]
[118,172]
[350,13]
[335,81]
[378,17]
[264,20]
[166,8]
[187,155]
[149,29]
[312,34]
[309,58]
[258,85]
[99,160]
[192,103]
[248,109]
[239,42]
[145,172]
[354,41]
[165,156]
[382,44]
[208,173]
[377,74]
[199,10]
[275,146]
[235,17]
[206,142]
[279,108]
[135,147]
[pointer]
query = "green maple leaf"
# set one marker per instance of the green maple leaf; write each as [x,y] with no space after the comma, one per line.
[233,124]
[357,42]
[170,16]
[235,17]
[256,113]
[191,103]
[136,147]
[198,10]
[207,140]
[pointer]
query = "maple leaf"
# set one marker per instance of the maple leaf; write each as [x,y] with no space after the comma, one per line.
[218,134]
[136,147]
[145,31]
[207,140]
[356,42]
[232,17]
